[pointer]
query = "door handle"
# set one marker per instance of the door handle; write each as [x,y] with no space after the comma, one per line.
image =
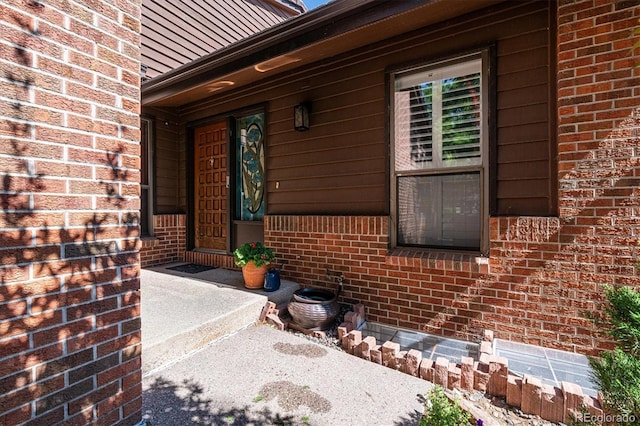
[227,182]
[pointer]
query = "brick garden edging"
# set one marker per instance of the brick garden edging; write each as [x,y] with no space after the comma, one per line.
[490,374]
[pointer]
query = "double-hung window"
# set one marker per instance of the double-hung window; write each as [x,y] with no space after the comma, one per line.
[440,152]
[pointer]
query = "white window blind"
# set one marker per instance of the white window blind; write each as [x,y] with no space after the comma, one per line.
[438,117]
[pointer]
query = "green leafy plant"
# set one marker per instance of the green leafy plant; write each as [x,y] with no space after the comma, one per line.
[255,252]
[440,411]
[258,398]
[617,373]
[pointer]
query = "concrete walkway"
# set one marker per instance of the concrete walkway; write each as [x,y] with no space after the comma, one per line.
[206,362]
[262,376]
[182,312]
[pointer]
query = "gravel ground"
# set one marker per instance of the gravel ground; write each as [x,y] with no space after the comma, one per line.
[496,408]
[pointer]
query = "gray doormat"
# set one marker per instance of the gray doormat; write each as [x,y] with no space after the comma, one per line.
[192,268]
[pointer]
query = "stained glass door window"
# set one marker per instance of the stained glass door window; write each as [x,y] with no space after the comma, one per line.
[250,182]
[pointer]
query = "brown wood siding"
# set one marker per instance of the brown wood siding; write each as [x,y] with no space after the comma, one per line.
[177,32]
[166,160]
[524,132]
[340,166]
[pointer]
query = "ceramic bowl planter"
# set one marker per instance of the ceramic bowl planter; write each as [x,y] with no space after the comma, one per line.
[315,308]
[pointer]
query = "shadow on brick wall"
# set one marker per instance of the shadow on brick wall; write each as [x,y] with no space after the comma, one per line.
[562,263]
[69,283]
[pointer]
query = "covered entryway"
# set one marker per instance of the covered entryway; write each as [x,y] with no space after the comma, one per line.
[211,181]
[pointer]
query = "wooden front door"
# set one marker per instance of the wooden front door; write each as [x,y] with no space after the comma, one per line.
[211,186]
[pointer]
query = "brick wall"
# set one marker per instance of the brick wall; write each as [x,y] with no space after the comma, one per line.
[598,122]
[218,259]
[542,274]
[69,159]
[434,292]
[168,242]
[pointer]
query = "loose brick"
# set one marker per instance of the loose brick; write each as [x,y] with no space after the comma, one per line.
[267,309]
[389,350]
[483,364]
[480,380]
[398,361]
[552,404]
[514,391]
[498,372]
[376,354]
[441,373]
[531,395]
[573,399]
[364,348]
[427,369]
[351,318]
[412,362]
[454,377]
[343,329]
[354,338]
[358,308]
[593,406]
[466,373]
[275,321]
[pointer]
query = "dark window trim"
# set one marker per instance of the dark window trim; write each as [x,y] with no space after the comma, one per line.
[151,172]
[488,184]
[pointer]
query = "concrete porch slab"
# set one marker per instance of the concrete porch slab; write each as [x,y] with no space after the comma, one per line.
[183,312]
[232,279]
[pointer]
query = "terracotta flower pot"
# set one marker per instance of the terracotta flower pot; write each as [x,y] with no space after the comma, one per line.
[254,275]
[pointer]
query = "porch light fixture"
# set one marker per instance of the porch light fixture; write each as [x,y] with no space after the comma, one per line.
[301,114]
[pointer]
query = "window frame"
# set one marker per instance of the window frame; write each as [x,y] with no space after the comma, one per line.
[149,123]
[487,131]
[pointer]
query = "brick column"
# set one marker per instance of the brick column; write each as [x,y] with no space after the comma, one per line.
[598,164]
[69,164]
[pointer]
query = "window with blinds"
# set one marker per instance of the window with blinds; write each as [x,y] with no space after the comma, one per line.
[438,117]
[439,147]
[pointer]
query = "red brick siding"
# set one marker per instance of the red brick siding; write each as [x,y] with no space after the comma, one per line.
[543,274]
[168,243]
[599,175]
[418,290]
[69,269]
[532,288]
[216,259]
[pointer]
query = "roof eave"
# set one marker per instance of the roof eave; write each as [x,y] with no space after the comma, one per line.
[272,42]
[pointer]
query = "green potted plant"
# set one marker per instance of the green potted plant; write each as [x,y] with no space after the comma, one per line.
[254,259]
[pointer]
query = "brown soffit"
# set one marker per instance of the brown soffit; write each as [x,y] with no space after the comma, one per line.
[335,28]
